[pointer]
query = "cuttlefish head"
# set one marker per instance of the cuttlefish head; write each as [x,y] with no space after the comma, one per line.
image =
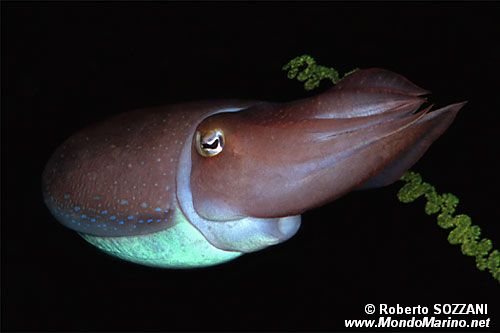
[278,160]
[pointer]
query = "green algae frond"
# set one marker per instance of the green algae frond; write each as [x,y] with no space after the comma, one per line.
[462,231]
[305,69]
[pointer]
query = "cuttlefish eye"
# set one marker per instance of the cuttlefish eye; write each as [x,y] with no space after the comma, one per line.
[209,143]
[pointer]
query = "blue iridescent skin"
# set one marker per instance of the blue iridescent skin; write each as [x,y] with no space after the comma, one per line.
[198,184]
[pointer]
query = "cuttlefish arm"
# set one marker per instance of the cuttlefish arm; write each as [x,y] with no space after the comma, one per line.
[198,184]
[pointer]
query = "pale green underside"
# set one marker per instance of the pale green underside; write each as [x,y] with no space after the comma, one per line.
[181,246]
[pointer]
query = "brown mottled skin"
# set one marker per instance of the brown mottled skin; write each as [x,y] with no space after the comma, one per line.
[278,159]
[132,156]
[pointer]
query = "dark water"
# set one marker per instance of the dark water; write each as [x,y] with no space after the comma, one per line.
[67,65]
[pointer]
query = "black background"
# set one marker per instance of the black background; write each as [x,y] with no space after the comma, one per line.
[67,65]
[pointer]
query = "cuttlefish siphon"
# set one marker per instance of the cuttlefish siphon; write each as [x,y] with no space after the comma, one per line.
[198,184]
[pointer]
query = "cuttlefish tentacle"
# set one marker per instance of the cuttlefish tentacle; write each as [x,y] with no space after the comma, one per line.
[198,184]
[437,122]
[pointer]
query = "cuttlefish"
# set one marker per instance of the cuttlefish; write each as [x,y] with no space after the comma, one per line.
[199,184]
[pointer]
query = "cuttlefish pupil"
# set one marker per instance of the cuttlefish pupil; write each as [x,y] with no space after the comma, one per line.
[132,191]
[210,143]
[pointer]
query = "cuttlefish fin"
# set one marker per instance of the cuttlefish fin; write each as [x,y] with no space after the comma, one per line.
[436,122]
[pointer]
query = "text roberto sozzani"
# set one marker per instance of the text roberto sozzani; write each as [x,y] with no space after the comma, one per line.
[435,316]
